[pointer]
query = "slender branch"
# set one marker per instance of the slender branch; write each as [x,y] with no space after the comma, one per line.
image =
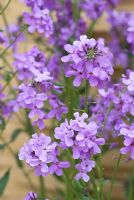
[114,176]
[4,87]
[6,6]
[19,34]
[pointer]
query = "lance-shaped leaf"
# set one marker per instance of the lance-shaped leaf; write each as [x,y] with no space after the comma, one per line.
[3,181]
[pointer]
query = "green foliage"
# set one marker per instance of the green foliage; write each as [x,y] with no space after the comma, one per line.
[3,146]
[3,181]
[15,134]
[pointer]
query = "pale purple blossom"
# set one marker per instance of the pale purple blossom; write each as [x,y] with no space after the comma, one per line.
[81,137]
[32,196]
[128,133]
[129,81]
[39,21]
[41,154]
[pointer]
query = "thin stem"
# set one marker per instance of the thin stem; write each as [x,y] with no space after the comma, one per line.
[4,87]
[114,176]
[100,173]
[86,96]
[6,24]
[91,28]
[42,187]
[19,34]
[6,6]
[69,195]
[106,117]
[76,11]
[7,63]
[94,186]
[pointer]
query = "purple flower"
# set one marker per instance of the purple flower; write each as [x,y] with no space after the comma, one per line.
[130,35]
[3,38]
[90,59]
[40,3]
[128,133]
[39,20]
[81,137]
[31,196]
[129,81]
[65,136]
[58,166]
[84,168]
[30,63]
[38,88]
[94,8]
[58,108]
[120,54]
[41,154]
[13,31]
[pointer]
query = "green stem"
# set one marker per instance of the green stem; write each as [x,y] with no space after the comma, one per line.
[91,28]
[130,190]
[94,186]
[7,27]
[106,117]
[76,12]
[7,63]
[69,188]
[86,96]
[6,6]
[19,34]
[42,187]
[114,176]
[100,173]
[4,87]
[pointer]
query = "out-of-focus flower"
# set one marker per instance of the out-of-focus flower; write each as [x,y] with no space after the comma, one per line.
[39,20]
[128,133]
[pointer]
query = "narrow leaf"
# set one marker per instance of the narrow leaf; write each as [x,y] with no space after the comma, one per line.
[15,134]
[4,181]
[2,146]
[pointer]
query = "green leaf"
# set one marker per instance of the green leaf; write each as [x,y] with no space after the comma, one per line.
[2,146]
[15,134]
[3,181]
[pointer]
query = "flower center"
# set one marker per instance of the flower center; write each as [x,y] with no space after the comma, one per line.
[91,54]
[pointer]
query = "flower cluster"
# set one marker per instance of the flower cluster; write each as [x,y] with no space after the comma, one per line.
[37,88]
[30,64]
[122,33]
[81,137]
[115,105]
[130,30]
[42,154]
[129,81]
[39,19]
[89,59]
[95,8]
[66,26]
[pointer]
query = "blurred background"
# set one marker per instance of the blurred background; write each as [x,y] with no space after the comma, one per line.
[17,186]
